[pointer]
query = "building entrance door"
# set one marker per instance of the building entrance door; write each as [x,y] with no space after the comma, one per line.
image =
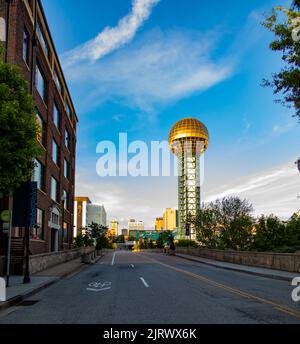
[54,240]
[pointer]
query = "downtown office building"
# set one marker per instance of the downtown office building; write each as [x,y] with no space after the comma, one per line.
[26,36]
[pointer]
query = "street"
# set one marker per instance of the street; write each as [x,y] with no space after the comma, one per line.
[149,288]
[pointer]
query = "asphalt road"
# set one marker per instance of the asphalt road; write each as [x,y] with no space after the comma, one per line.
[148,288]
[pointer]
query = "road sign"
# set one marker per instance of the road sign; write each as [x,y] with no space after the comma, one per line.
[5,216]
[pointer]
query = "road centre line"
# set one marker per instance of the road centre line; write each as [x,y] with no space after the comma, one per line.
[279,307]
[113,259]
[144,282]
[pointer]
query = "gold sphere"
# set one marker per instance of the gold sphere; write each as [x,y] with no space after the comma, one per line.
[191,131]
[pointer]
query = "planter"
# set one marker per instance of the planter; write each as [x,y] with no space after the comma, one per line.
[86,258]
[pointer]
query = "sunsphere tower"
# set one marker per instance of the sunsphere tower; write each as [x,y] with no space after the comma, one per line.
[188,139]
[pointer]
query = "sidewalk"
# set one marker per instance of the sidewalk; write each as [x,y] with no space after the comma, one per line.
[17,291]
[252,270]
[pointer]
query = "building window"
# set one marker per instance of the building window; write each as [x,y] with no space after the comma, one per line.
[66,233]
[40,83]
[66,169]
[56,116]
[55,219]
[26,46]
[42,39]
[55,152]
[37,232]
[38,175]
[67,139]
[42,132]
[66,200]
[54,189]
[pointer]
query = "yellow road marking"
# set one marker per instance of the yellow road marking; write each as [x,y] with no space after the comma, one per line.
[246,295]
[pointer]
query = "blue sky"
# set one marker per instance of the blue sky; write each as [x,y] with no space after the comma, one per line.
[160,61]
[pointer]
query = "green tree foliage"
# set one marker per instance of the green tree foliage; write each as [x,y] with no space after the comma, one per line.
[83,240]
[228,224]
[270,233]
[159,241]
[119,239]
[18,130]
[207,229]
[225,223]
[285,24]
[171,241]
[95,235]
[186,243]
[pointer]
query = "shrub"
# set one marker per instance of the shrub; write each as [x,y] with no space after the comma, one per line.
[186,243]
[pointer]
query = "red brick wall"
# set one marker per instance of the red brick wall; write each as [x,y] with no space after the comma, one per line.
[19,17]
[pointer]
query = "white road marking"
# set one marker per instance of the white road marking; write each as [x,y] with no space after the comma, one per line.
[113,259]
[144,282]
[99,286]
[96,290]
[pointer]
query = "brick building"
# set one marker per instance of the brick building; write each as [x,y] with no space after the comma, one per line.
[55,113]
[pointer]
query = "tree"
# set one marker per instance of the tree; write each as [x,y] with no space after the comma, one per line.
[120,239]
[225,224]
[159,241]
[171,241]
[270,233]
[293,234]
[206,226]
[287,32]
[97,234]
[18,130]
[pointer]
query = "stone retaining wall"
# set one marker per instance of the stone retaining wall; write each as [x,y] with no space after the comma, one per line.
[44,261]
[278,261]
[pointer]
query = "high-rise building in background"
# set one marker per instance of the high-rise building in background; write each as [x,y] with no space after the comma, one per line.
[170,219]
[96,214]
[188,139]
[87,213]
[136,225]
[159,223]
[30,46]
[114,228]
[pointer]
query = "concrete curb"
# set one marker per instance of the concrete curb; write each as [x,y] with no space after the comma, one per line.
[237,269]
[20,298]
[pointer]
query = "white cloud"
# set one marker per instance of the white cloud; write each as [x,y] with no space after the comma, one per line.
[111,38]
[273,191]
[160,67]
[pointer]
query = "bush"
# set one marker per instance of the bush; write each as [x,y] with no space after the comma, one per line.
[186,243]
